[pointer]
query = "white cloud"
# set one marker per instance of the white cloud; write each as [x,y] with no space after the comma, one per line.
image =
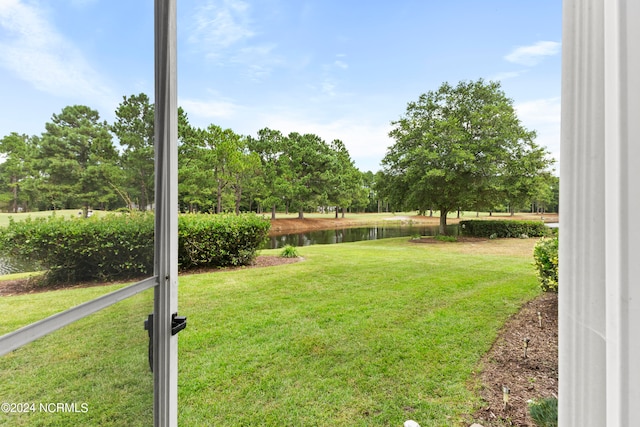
[223,31]
[533,54]
[366,139]
[328,88]
[36,52]
[220,24]
[82,3]
[209,110]
[257,61]
[505,75]
[367,143]
[341,64]
[543,116]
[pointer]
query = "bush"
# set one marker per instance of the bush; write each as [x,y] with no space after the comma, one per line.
[121,246]
[444,238]
[544,412]
[504,228]
[219,240]
[84,249]
[545,255]
[289,252]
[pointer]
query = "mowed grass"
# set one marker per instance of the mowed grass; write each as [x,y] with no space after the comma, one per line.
[359,334]
[5,217]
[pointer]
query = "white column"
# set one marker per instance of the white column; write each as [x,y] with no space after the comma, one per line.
[165,346]
[622,178]
[582,394]
[600,188]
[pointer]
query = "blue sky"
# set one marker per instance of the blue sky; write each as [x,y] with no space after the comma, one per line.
[340,69]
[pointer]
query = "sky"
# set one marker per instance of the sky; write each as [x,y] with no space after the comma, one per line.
[341,69]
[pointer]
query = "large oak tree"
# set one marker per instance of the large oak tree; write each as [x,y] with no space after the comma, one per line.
[456,147]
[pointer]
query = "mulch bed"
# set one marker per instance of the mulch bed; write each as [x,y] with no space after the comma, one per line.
[34,285]
[535,376]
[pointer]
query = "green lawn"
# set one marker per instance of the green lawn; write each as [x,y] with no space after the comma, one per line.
[359,334]
[65,213]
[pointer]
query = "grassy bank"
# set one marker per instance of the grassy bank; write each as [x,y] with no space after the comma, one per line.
[359,334]
[65,213]
[365,218]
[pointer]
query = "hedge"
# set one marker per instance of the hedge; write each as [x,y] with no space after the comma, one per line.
[121,246]
[503,228]
[219,240]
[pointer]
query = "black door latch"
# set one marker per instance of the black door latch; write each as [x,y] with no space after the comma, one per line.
[178,323]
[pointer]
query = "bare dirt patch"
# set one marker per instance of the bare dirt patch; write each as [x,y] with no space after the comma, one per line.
[295,225]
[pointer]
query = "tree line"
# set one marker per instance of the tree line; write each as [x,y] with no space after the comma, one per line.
[458,148]
[76,163]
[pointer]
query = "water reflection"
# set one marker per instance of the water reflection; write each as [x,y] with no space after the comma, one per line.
[10,266]
[356,234]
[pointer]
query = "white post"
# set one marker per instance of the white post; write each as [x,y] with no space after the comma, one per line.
[622,138]
[599,305]
[165,345]
[581,315]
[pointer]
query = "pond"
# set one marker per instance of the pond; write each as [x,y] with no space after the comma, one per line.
[10,266]
[355,234]
[316,237]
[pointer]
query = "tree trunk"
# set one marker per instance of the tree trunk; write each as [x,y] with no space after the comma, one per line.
[219,199]
[273,211]
[336,212]
[442,229]
[143,196]
[238,199]
[14,182]
[342,212]
[301,213]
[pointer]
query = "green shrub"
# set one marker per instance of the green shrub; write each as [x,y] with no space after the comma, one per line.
[219,240]
[544,412]
[444,238]
[84,249]
[545,255]
[121,246]
[503,228]
[289,252]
